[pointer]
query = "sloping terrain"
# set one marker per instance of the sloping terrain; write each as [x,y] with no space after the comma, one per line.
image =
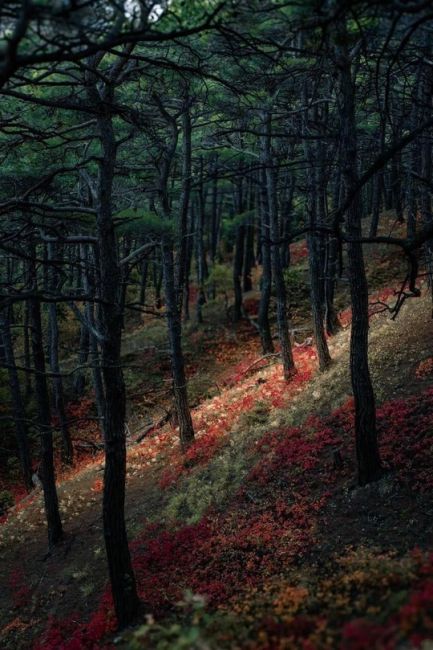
[262,518]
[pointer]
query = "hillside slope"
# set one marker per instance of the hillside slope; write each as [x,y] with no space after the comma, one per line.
[261,519]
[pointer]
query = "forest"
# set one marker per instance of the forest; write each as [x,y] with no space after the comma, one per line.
[216,324]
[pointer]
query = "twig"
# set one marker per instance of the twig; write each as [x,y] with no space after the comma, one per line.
[266,356]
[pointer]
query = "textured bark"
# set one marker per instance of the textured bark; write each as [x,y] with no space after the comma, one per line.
[171,287]
[277,269]
[57,381]
[186,430]
[200,248]
[378,187]
[331,262]
[238,260]
[83,354]
[27,353]
[315,198]
[367,452]
[143,282]
[46,470]
[126,602]
[188,262]
[266,279]
[182,224]
[317,302]
[18,410]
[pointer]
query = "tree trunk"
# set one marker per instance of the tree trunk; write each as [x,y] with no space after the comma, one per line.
[367,452]
[126,602]
[186,430]
[277,270]
[57,381]
[17,403]
[237,272]
[46,471]
[266,279]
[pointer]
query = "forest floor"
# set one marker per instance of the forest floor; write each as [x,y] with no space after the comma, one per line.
[259,537]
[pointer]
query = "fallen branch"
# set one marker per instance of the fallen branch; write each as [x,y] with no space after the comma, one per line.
[165,418]
[82,442]
[266,356]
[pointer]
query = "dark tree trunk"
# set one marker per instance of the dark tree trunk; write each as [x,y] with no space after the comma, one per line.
[126,602]
[182,224]
[46,471]
[57,381]
[215,221]
[315,194]
[287,221]
[143,282]
[332,252]
[188,262]
[266,279]
[200,248]
[317,302]
[378,187]
[17,402]
[27,352]
[367,452]
[237,272]
[186,430]
[83,353]
[277,270]
[173,303]
[249,257]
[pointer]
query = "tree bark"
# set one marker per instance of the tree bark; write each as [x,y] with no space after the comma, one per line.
[367,452]
[46,471]
[266,279]
[277,270]
[18,410]
[126,602]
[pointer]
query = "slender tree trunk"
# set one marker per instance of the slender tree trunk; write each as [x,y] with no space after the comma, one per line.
[171,286]
[126,602]
[57,381]
[46,470]
[188,262]
[266,279]
[186,430]
[200,249]
[143,282]
[83,353]
[182,224]
[237,272]
[277,270]
[17,402]
[27,352]
[315,193]
[367,452]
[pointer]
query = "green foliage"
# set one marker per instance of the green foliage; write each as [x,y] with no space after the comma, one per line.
[229,226]
[193,629]
[178,636]
[6,500]
[141,221]
[220,277]
[296,280]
